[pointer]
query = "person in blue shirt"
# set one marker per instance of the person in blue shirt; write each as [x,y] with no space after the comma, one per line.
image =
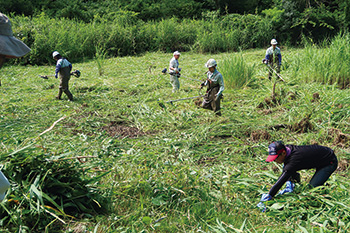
[215,87]
[273,57]
[63,69]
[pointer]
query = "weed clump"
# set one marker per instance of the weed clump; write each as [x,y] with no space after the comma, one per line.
[50,189]
[339,138]
[315,97]
[259,135]
[269,102]
[302,126]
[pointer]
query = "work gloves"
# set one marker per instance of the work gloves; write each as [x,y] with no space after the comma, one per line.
[289,188]
[177,70]
[261,205]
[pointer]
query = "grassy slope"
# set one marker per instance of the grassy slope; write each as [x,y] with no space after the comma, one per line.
[203,173]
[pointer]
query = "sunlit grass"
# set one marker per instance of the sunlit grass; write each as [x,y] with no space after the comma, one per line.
[188,170]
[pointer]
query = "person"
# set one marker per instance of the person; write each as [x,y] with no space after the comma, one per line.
[215,87]
[63,69]
[174,71]
[273,58]
[10,47]
[297,158]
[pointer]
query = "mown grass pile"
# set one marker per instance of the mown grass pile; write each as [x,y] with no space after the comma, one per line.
[144,168]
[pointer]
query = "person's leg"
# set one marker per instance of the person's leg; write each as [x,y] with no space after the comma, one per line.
[321,175]
[216,106]
[59,94]
[175,83]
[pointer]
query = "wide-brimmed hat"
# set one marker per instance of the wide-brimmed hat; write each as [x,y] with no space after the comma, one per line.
[9,45]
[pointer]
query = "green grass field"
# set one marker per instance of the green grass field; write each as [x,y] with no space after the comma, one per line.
[128,165]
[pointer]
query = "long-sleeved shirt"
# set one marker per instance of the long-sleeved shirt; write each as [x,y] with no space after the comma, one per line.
[302,157]
[61,63]
[216,78]
[274,55]
[174,63]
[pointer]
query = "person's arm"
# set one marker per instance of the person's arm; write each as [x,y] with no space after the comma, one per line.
[58,67]
[221,83]
[280,182]
[172,65]
[267,55]
[279,58]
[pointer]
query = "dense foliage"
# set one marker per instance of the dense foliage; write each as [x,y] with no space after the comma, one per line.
[120,28]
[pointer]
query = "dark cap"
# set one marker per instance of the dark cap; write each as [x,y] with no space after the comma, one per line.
[275,149]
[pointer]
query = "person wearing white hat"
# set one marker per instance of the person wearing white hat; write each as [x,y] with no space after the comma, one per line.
[174,71]
[63,69]
[215,87]
[10,47]
[273,57]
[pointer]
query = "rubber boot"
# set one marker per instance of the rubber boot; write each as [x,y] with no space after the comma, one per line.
[69,95]
[59,94]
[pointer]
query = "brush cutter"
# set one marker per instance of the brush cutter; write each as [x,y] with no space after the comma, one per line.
[161,104]
[164,71]
[278,75]
[272,69]
[75,73]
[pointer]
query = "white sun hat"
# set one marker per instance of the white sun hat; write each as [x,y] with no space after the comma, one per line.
[54,54]
[10,46]
[210,63]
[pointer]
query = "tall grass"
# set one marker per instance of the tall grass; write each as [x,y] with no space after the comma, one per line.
[121,37]
[237,73]
[327,64]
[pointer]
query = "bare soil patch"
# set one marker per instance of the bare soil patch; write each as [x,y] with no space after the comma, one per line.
[343,165]
[259,135]
[118,128]
[339,138]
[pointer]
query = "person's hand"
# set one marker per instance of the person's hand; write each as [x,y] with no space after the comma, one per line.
[264,197]
[265,61]
[179,69]
[217,97]
[289,188]
[262,207]
[56,76]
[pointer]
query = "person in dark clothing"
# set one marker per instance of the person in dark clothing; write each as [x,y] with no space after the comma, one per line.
[297,158]
[63,69]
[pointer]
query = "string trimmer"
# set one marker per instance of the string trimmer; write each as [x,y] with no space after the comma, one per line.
[75,73]
[164,71]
